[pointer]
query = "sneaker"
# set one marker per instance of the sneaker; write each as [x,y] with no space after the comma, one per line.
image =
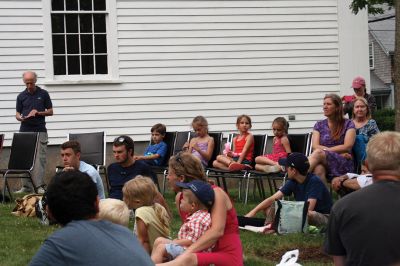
[23,190]
[41,190]
[272,169]
[236,167]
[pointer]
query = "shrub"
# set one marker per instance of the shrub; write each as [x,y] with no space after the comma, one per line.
[385,119]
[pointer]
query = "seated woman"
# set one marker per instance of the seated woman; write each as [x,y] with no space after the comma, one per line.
[365,128]
[224,230]
[332,141]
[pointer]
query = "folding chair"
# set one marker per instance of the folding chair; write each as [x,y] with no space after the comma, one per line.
[181,137]
[93,151]
[1,142]
[259,141]
[298,143]
[22,159]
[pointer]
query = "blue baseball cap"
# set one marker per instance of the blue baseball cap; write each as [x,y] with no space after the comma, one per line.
[296,160]
[202,190]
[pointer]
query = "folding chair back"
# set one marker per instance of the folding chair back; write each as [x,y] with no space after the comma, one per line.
[181,138]
[169,139]
[22,159]
[23,151]
[1,142]
[217,136]
[260,142]
[300,143]
[92,147]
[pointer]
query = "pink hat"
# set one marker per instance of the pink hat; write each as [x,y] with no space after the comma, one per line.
[358,82]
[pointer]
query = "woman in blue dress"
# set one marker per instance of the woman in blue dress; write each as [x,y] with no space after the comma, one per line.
[332,141]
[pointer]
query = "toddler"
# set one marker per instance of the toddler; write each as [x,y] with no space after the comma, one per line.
[198,198]
[281,148]
[243,146]
[151,219]
[201,146]
[114,210]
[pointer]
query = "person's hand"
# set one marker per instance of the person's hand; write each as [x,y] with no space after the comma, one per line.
[32,113]
[347,156]
[68,168]
[336,183]
[196,147]
[185,146]
[229,154]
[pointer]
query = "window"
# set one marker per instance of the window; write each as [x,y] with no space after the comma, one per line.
[79,37]
[371,56]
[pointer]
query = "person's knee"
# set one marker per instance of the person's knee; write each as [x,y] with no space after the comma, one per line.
[259,159]
[318,154]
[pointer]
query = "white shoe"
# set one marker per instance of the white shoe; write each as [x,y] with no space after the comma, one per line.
[272,169]
[41,190]
[23,190]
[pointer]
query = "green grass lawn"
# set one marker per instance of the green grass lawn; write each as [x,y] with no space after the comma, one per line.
[21,237]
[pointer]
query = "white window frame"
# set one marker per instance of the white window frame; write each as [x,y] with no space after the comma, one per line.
[371,58]
[112,51]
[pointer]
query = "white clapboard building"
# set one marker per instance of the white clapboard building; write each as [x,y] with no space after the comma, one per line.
[123,65]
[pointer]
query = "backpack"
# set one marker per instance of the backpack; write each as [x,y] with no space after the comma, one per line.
[290,217]
[26,206]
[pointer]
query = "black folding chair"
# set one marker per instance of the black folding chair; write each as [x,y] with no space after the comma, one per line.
[259,141]
[298,143]
[1,142]
[22,159]
[181,137]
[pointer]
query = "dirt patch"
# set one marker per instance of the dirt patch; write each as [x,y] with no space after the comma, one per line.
[307,254]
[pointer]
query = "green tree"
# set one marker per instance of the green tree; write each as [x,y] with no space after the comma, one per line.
[356,6]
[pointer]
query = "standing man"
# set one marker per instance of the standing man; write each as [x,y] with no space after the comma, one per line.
[360,90]
[363,227]
[33,105]
[125,167]
[71,156]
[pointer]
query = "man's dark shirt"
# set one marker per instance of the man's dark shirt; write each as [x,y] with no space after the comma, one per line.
[26,102]
[119,175]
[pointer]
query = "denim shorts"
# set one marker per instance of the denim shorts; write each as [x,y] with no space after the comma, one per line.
[243,162]
[174,250]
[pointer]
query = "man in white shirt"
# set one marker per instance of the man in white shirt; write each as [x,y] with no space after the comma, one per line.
[71,154]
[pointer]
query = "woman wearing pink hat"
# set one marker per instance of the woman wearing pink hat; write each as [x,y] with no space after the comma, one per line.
[360,90]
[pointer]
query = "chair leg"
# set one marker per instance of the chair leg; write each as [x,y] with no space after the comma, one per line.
[247,189]
[6,187]
[164,181]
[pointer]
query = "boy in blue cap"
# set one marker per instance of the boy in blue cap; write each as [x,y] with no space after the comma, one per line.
[198,198]
[304,186]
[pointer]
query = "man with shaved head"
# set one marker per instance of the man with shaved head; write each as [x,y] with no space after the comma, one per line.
[33,105]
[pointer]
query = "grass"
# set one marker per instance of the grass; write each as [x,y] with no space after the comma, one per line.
[22,237]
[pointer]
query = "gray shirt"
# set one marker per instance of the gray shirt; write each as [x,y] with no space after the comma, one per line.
[90,242]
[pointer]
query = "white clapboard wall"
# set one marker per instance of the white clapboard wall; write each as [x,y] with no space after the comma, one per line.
[180,59]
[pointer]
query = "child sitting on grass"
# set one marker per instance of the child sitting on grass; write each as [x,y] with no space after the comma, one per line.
[198,198]
[115,211]
[151,219]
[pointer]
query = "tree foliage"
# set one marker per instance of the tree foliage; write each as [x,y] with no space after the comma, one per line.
[358,5]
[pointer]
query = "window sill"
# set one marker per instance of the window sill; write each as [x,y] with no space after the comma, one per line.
[83,81]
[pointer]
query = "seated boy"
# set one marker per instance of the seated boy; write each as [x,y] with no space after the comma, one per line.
[155,152]
[350,182]
[305,187]
[115,211]
[198,198]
